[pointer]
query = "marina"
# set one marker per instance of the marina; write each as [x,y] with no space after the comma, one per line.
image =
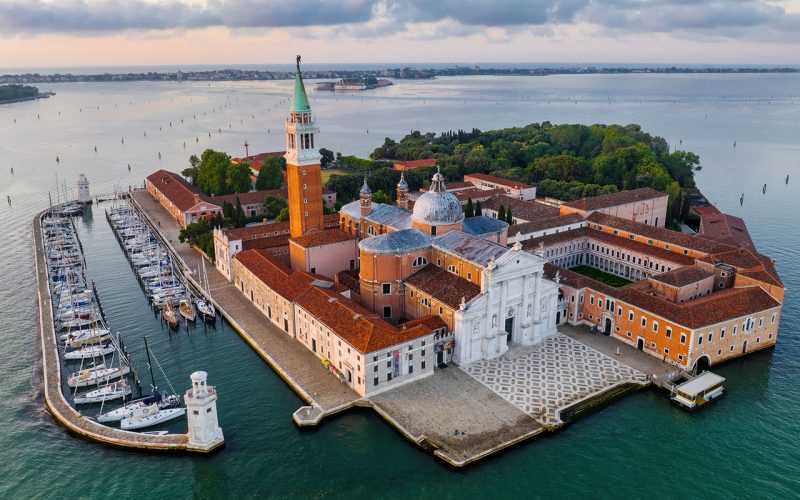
[70,313]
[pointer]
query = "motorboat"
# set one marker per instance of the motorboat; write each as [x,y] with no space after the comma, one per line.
[206,310]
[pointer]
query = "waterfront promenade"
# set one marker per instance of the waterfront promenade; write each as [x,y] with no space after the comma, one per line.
[55,401]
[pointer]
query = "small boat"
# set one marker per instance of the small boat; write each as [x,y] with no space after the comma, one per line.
[89,352]
[206,311]
[155,433]
[149,416]
[86,335]
[168,315]
[96,375]
[109,392]
[126,411]
[187,310]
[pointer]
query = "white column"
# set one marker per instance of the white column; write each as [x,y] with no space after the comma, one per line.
[537,299]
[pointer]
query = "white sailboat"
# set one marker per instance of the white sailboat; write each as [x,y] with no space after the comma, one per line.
[149,411]
[96,375]
[206,309]
[110,392]
[90,351]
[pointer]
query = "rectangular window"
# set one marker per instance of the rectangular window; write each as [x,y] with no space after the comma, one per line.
[387,311]
[630,315]
[389,377]
[591,299]
[423,364]
[375,381]
[387,288]
[710,336]
[655,326]
[669,332]
[410,369]
[644,321]
[375,368]
[699,339]
[683,338]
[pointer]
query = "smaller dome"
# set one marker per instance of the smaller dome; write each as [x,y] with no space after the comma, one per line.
[402,185]
[365,191]
[437,206]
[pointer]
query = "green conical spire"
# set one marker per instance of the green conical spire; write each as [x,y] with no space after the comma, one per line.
[300,99]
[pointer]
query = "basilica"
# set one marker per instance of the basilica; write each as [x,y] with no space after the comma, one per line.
[409,264]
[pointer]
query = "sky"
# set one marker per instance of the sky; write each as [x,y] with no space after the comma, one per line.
[70,33]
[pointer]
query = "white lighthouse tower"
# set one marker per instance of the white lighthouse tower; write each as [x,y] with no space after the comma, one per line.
[84,197]
[201,410]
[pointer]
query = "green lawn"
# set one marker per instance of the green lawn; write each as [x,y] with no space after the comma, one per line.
[326,174]
[602,276]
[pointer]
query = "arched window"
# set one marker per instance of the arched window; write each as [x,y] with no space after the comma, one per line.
[419,261]
[371,230]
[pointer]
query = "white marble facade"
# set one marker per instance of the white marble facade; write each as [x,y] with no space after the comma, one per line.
[517,304]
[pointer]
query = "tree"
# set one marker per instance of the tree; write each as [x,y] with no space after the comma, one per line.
[380,197]
[501,214]
[271,174]
[509,217]
[273,206]
[191,171]
[212,172]
[239,217]
[478,210]
[477,160]
[283,216]
[470,210]
[327,157]
[237,178]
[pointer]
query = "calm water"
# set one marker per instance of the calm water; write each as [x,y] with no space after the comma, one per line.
[747,445]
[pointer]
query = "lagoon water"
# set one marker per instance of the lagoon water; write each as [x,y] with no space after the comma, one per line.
[748,445]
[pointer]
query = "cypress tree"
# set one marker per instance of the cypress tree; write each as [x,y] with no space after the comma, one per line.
[478,211]
[501,214]
[470,210]
[509,217]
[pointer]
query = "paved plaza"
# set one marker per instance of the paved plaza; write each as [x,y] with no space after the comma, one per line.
[541,379]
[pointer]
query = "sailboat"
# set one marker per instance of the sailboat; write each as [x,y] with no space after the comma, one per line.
[151,411]
[186,309]
[109,392]
[96,374]
[168,315]
[90,351]
[206,309]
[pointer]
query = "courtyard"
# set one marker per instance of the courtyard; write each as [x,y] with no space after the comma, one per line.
[601,276]
[542,379]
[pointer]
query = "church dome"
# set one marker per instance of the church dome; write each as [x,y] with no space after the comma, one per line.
[437,206]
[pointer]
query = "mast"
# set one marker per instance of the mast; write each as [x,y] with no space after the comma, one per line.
[150,366]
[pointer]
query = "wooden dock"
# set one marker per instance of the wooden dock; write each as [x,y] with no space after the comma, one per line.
[54,398]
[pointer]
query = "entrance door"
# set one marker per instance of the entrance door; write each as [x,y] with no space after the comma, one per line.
[558,318]
[607,330]
[640,344]
[509,328]
[440,357]
[744,347]
[313,345]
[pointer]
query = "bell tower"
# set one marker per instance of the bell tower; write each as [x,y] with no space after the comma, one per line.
[365,196]
[402,192]
[303,177]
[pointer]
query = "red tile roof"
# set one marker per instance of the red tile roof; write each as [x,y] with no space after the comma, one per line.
[443,285]
[527,211]
[320,238]
[175,189]
[451,186]
[615,199]
[498,180]
[748,263]
[711,309]
[682,276]
[722,227]
[543,224]
[356,325]
[257,231]
[257,161]
[693,242]
[286,282]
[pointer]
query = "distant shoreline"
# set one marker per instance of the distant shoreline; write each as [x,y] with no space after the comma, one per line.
[43,95]
[396,73]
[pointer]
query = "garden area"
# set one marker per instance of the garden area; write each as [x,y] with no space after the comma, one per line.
[601,276]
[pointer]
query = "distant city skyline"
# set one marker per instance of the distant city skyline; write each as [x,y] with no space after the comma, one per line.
[73,33]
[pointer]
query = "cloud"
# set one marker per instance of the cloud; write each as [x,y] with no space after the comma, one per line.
[425,19]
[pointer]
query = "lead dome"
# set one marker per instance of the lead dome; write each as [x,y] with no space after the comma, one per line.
[437,206]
